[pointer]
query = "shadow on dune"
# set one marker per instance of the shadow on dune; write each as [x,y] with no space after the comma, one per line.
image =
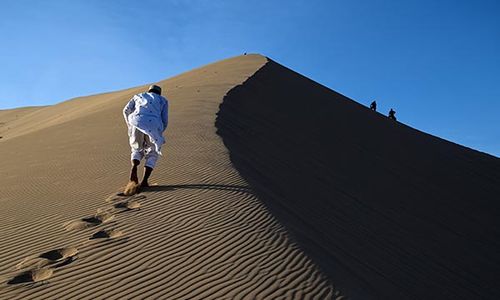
[21,278]
[386,211]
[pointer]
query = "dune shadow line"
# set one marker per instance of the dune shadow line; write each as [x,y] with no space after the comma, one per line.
[380,207]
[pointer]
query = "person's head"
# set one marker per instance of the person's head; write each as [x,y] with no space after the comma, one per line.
[154,89]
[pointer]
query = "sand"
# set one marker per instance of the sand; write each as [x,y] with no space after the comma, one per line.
[271,187]
[386,211]
[199,233]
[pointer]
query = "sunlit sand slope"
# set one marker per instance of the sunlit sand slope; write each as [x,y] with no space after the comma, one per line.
[200,233]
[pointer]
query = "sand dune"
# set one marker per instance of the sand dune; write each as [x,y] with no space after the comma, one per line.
[9,118]
[271,187]
[199,233]
[388,212]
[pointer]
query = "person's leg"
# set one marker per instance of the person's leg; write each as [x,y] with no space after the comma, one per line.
[137,147]
[133,171]
[147,173]
[151,157]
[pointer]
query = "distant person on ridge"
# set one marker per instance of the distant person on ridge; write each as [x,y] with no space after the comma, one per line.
[373,106]
[146,115]
[392,114]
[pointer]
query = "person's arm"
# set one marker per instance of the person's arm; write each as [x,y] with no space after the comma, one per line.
[128,109]
[164,115]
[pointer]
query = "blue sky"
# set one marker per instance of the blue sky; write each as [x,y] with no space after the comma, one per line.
[436,62]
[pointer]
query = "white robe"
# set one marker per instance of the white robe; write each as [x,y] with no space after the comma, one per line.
[148,112]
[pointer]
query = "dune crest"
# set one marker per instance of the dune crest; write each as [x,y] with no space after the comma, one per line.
[386,211]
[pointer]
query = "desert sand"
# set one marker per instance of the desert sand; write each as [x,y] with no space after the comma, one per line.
[271,187]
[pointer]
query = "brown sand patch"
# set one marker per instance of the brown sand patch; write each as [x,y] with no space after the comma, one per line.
[131,189]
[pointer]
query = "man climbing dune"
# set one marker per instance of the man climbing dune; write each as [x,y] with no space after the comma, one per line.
[146,115]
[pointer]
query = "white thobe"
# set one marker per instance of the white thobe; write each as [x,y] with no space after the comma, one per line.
[148,113]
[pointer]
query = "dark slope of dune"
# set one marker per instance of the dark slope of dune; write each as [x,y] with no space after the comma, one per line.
[388,212]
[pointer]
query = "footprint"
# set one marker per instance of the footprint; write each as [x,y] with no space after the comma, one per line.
[129,205]
[36,275]
[107,234]
[44,264]
[97,219]
[66,254]
[60,254]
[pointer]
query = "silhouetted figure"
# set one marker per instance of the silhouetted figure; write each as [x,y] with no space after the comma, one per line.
[392,114]
[373,106]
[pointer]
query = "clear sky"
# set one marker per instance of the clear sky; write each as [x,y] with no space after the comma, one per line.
[436,62]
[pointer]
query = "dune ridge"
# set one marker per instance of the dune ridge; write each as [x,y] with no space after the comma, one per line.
[199,233]
[386,211]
